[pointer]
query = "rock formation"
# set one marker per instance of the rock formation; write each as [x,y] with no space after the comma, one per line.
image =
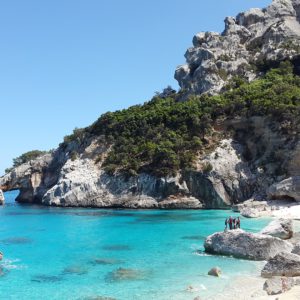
[288,188]
[252,153]
[241,244]
[281,228]
[216,271]
[2,199]
[248,40]
[278,285]
[282,264]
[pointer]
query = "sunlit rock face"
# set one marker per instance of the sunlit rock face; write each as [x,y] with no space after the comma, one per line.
[248,40]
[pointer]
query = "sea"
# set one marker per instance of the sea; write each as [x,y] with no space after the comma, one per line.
[105,254]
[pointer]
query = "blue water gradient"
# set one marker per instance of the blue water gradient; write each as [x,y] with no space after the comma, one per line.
[65,253]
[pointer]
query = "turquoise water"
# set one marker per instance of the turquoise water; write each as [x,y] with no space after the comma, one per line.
[62,253]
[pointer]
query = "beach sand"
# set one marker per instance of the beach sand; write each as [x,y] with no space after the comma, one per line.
[251,287]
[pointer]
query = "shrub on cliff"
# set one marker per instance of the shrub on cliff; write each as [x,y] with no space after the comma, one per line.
[26,157]
[163,135]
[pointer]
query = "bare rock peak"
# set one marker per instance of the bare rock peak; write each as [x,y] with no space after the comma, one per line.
[254,35]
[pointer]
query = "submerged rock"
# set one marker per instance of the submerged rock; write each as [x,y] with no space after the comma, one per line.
[1,256]
[278,285]
[281,228]
[105,261]
[124,274]
[216,271]
[78,270]
[16,241]
[241,244]
[282,264]
[46,278]
[117,247]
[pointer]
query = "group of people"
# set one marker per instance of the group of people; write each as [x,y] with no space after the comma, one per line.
[233,223]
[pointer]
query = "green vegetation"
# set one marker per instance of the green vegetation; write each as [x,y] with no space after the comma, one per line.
[163,136]
[25,157]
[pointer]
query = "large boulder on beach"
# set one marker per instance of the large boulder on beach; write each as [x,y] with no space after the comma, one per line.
[278,285]
[281,228]
[282,264]
[241,244]
[1,198]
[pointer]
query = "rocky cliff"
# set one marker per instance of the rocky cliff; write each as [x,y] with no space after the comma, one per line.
[244,156]
[250,41]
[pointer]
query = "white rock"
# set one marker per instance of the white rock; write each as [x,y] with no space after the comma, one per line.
[281,228]
[282,264]
[288,188]
[241,244]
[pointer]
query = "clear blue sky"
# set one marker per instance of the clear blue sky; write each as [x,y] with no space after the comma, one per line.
[65,62]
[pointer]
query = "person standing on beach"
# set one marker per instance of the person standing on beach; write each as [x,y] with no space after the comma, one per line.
[238,222]
[234,223]
[226,223]
[230,222]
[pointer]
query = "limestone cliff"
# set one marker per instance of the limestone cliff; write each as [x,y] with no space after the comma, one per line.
[249,41]
[250,156]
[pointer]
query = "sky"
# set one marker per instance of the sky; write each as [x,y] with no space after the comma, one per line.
[65,62]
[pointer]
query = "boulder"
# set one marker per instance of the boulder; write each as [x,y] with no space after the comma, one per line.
[1,198]
[281,228]
[282,264]
[278,285]
[288,188]
[183,202]
[241,244]
[216,271]
[296,249]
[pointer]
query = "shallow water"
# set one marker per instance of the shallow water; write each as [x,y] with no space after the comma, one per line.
[63,253]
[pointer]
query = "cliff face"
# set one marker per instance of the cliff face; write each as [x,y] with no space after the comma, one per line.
[251,154]
[249,41]
[60,179]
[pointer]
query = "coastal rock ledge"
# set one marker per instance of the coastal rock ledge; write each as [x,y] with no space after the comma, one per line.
[241,244]
[1,198]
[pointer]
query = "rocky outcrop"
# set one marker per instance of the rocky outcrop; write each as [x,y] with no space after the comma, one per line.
[288,188]
[255,36]
[216,271]
[282,264]
[241,244]
[2,199]
[278,285]
[281,228]
[246,157]
[64,179]
[182,202]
